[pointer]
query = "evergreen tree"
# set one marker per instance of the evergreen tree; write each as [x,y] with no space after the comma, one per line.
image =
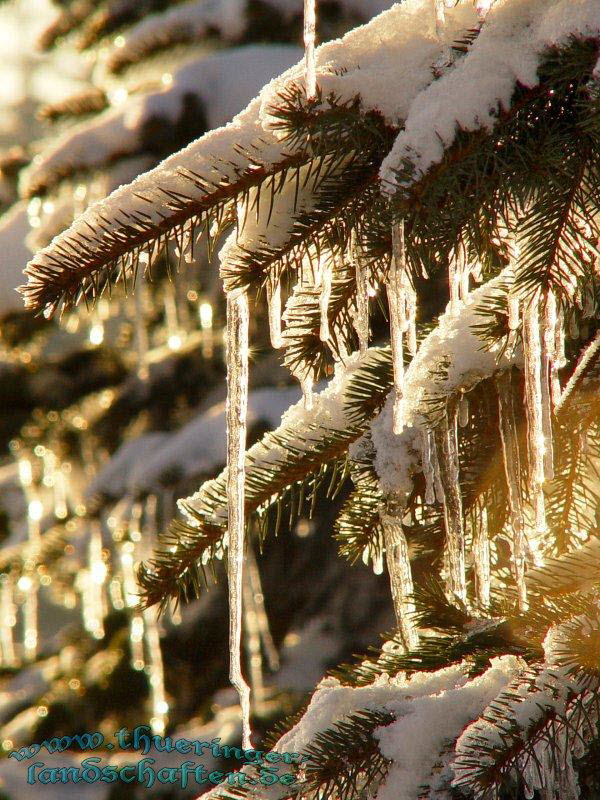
[413,210]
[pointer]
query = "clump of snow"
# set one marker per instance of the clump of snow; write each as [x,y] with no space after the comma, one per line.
[427,726]
[507,52]
[388,61]
[531,699]
[454,349]
[224,83]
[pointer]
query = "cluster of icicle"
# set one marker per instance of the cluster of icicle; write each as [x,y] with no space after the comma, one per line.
[237,395]
[97,582]
[541,328]
[439,446]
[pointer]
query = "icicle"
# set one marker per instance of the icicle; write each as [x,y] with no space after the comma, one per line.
[205,313]
[174,338]
[440,17]
[127,555]
[307,383]
[455,268]
[253,649]
[261,614]
[513,311]
[399,570]
[573,327]
[547,360]
[411,312]
[482,7]
[534,405]
[587,355]
[61,509]
[361,320]
[447,456]
[8,620]
[141,333]
[428,469]
[464,276]
[397,306]
[556,347]
[512,470]
[274,304]
[324,298]
[155,671]
[237,404]
[28,582]
[481,554]
[96,333]
[439,489]
[93,589]
[310,25]
[463,411]
[378,563]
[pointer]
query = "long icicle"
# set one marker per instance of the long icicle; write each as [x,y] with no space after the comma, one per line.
[28,583]
[447,456]
[428,468]
[274,305]
[440,17]
[534,405]
[310,26]
[253,649]
[399,570]
[141,332]
[8,620]
[237,405]
[481,553]
[512,470]
[548,346]
[154,665]
[261,613]
[361,320]
[324,298]
[397,307]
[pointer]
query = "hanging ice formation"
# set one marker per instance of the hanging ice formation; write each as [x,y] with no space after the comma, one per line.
[445,437]
[397,302]
[554,358]
[399,570]
[361,318]
[512,470]
[307,384]
[454,281]
[274,305]
[440,16]
[534,403]
[428,468]
[481,559]
[253,642]
[141,332]
[28,582]
[8,620]
[237,404]
[310,25]
[324,298]
[174,339]
[268,645]
[127,553]
[92,588]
